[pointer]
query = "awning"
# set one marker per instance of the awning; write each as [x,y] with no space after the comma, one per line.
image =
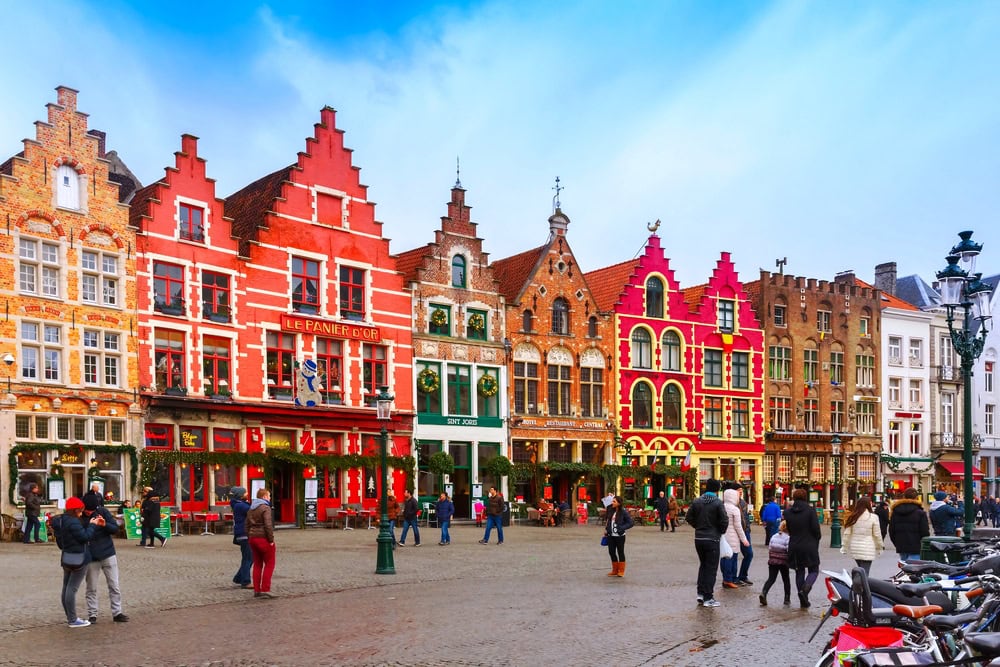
[957,469]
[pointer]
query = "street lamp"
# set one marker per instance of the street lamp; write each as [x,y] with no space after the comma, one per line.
[383,409]
[835,502]
[9,360]
[961,287]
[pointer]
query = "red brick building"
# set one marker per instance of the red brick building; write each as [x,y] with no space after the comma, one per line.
[268,322]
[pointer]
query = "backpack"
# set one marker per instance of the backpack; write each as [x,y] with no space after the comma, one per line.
[56,527]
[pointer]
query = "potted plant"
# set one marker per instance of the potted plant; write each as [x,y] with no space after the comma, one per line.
[498,467]
[441,463]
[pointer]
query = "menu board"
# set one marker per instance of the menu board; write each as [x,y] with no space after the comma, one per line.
[133,523]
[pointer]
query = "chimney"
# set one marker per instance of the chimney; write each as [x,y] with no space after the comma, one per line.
[844,277]
[885,277]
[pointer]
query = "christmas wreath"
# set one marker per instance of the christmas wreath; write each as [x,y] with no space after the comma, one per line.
[488,386]
[477,322]
[428,381]
[439,318]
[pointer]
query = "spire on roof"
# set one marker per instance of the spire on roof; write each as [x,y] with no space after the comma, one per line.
[556,204]
[458,172]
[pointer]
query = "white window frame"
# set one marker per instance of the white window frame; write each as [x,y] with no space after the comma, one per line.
[916,394]
[895,392]
[917,352]
[41,352]
[69,191]
[895,350]
[39,262]
[105,356]
[989,415]
[104,278]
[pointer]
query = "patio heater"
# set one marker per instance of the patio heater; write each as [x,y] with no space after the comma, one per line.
[383,408]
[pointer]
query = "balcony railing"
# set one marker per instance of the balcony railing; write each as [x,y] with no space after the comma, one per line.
[949,373]
[949,440]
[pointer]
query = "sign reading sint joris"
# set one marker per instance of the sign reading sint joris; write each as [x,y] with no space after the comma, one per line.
[308,325]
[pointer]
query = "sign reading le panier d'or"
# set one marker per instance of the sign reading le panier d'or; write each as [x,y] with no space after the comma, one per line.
[299,324]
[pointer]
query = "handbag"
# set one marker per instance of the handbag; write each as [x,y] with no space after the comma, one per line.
[725,551]
[604,540]
[72,560]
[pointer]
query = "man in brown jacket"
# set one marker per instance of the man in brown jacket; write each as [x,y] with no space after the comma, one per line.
[260,530]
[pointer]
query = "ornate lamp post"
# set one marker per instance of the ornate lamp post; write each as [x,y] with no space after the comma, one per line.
[961,288]
[383,407]
[835,501]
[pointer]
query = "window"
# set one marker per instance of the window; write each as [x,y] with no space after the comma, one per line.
[216,365]
[866,370]
[41,352]
[641,349]
[810,366]
[560,316]
[988,376]
[101,358]
[823,321]
[779,315]
[779,362]
[784,466]
[916,352]
[527,321]
[558,389]
[810,415]
[459,390]
[893,437]
[866,418]
[592,392]
[487,406]
[440,320]
[837,421]
[193,438]
[192,223]
[895,350]
[428,395]
[458,271]
[329,361]
[169,358]
[988,418]
[894,392]
[726,315]
[38,270]
[713,368]
[916,441]
[671,353]
[947,352]
[225,440]
[376,369]
[671,407]
[654,297]
[159,436]
[478,325]
[741,418]
[713,417]
[916,394]
[525,387]
[67,183]
[836,368]
[305,285]
[352,293]
[780,412]
[168,288]
[280,350]
[948,413]
[99,282]
[215,296]
[592,327]
[741,370]
[642,406]
[865,327]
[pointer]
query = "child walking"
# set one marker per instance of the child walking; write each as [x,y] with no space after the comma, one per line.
[777,563]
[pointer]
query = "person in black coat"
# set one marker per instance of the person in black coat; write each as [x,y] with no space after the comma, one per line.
[882,512]
[73,539]
[908,525]
[619,520]
[803,543]
[663,510]
[150,511]
[103,559]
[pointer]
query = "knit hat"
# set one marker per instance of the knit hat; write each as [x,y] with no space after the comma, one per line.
[237,492]
[91,501]
[74,503]
[712,486]
[940,495]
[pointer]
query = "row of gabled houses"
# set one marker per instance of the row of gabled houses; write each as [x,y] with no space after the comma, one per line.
[165,335]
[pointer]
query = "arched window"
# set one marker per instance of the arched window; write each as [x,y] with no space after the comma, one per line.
[560,316]
[641,349]
[654,297]
[527,321]
[458,271]
[642,406]
[67,187]
[671,351]
[592,327]
[672,407]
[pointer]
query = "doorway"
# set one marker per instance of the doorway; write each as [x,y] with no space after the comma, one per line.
[462,479]
[283,491]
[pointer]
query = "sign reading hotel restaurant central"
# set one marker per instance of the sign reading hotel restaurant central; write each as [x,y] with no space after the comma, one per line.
[326,328]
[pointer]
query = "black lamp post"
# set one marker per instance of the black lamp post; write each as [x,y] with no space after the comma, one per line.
[961,288]
[383,407]
[835,501]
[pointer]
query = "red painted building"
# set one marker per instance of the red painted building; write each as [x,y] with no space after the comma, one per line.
[268,321]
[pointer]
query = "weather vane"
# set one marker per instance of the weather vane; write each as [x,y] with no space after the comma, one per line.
[555,200]
[458,171]
[653,226]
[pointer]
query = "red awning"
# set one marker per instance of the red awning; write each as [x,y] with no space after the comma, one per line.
[957,469]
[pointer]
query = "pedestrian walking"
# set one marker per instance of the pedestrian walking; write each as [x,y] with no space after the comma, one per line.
[444,510]
[104,559]
[72,539]
[862,534]
[32,510]
[803,544]
[149,512]
[260,530]
[238,504]
[709,519]
[777,564]
[409,519]
[770,516]
[945,518]
[618,521]
[746,548]
[494,516]
[882,512]
[672,509]
[662,510]
[908,525]
[734,536]
[392,513]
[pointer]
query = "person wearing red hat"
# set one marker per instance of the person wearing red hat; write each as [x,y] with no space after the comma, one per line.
[73,539]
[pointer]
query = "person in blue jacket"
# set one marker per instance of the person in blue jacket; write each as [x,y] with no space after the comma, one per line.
[945,517]
[240,506]
[445,510]
[73,539]
[103,559]
[770,516]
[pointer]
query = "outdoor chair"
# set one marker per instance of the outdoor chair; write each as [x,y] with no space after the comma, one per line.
[430,515]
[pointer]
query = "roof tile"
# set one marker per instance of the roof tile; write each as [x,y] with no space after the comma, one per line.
[607,284]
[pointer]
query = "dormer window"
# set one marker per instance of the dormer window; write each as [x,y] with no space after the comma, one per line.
[654,297]
[192,223]
[560,316]
[458,271]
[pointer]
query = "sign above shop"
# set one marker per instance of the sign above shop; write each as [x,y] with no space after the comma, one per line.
[297,324]
[562,423]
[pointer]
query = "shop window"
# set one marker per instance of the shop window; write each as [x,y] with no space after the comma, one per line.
[326,486]
[193,438]
[192,225]
[226,477]
[305,285]
[169,358]
[215,296]
[352,293]
[168,288]
[375,369]
[328,443]
[159,436]
[225,440]
[329,361]
[193,483]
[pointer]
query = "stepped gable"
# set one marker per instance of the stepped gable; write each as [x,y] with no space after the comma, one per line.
[408,263]
[514,272]
[8,166]
[724,283]
[139,211]
[248,208]
[607,285]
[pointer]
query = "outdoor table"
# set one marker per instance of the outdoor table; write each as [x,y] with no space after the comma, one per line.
[177,516]
[346,516]
[369,514]
[206,517]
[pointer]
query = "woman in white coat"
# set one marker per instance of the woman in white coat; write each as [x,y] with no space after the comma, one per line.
[734,537]
[862,534]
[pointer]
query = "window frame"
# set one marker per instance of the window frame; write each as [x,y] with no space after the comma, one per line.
[169,359]
[47,352]
[740,361]
[726,315]
[714,417]
[279,364]
[654,297]
[560,316]
[306,272]
[526,387]
[458,262]
[164,299]
[45,266]
[641,350]
[713,370]
[216,299]
[375,369]
[351,290]
[212,360]
[671,351]
[641,401]
[473,334]
[103,358]
[187,230]
[558,385]
[591,391]
[329,356]
[105,281]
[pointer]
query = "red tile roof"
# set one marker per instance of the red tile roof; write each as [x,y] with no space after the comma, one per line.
[888,300]
[139,206]
[409,261]
[512,273]
[248,207]
[607,284]
[694,295]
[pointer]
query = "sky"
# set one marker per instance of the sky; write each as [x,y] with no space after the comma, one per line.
[838,135]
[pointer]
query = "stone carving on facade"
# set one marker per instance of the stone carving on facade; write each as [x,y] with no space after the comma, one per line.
[560,356]
[39,227]
[429,348]
[592,358]
[527,352]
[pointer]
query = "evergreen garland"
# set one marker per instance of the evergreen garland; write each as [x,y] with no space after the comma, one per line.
[13,469]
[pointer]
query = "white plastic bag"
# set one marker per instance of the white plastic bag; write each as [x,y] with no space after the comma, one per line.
[725,551]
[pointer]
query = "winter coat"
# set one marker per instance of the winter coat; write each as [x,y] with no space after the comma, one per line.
[662,506]
[494,506]
[771,513]
[708,517]
[735,535]
[863,538]
[74,536]
[803,535]
[445,510]
[150,509]
[622,520]
[260,520]
[882,512]
[240,508]
[672,507]
[410,509]
[32,505]
[102,546]
[777,549]
[392,508]
[907,525]
[945,518]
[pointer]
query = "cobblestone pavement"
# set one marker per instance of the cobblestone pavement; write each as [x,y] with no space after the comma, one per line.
[541,598]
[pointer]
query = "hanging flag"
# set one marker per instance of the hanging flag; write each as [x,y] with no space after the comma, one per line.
[686,463]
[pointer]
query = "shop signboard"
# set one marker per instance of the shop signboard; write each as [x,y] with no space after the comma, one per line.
[133,523]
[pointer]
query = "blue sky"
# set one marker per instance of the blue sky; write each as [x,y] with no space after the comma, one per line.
[836,134]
